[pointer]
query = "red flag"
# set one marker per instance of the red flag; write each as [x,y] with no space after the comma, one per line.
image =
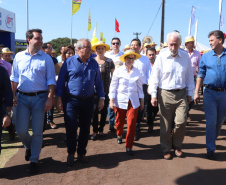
[116,25]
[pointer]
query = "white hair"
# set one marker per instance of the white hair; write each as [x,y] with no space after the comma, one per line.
[80,43]
[175,34]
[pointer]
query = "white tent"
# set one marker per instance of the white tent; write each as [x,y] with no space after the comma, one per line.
[201,47]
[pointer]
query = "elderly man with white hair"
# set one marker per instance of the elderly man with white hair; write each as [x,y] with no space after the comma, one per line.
[172,82]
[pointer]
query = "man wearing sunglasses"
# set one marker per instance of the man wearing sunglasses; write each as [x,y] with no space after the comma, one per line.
[114,54]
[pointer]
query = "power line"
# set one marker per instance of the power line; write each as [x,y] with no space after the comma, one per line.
[154,19]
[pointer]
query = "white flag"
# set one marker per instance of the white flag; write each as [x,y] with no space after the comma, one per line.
[221,15]
[192,20]
[196,31]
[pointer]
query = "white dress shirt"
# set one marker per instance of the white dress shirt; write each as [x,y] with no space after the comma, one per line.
[144,69]
[114,57]
[126,86]
[171,73]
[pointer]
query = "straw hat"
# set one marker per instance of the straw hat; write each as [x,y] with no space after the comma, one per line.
[147,44]
[189,39]
[158,48]
[6,50]
[129,52]
[100,43]
[182,47]
[126,47]
[165,44]
[53,51]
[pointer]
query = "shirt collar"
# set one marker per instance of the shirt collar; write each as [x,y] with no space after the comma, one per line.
[1,61]
[40,52]
[223,52]
[80,60]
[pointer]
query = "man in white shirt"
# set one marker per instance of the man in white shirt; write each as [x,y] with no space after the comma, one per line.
[172,75]
[144,66]
[114,54]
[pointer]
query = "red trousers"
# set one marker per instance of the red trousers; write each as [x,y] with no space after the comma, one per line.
[131,114]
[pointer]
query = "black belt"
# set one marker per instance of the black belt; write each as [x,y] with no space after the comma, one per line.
[32,94]
[80,98]
[174,90]
[215,88]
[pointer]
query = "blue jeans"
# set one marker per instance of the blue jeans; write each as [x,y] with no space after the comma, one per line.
[215,112]
[1,119]
[78,113]
[111,117]
[28,106]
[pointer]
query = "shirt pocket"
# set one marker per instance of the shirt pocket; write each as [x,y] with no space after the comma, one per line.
[92,74]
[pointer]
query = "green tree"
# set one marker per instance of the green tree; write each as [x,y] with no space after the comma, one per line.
[57,43]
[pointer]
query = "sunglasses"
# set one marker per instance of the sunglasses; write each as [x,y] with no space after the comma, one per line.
[115,43]
[128,58]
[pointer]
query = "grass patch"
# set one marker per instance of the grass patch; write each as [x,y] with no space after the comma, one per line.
[9,148]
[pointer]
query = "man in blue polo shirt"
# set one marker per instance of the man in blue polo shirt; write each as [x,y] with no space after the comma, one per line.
[212,72]
[33,77]
[81,74]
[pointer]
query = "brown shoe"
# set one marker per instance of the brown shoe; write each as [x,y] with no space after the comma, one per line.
[52,125]
[83,159]
[167,156]
[178,152]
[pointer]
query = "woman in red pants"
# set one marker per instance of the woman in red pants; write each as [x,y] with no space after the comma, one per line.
[126,96]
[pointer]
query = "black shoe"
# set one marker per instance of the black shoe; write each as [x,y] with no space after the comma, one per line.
[150,130]
[33,168]
[70,159]
[136,137]
[129,151]
[101,135]
[119,140]
[94,138]
[27,154]
[83,159]
[211,155]
[112,129]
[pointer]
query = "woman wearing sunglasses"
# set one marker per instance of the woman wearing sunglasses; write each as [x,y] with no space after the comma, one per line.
[126,96]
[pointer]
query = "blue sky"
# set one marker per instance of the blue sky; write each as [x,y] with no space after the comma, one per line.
[54,18]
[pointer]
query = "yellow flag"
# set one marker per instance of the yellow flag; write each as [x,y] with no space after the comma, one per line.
[104,40]
[75,6]
[101,36]
[89,21]
[95,31]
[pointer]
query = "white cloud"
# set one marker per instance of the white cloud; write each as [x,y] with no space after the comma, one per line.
[0,1]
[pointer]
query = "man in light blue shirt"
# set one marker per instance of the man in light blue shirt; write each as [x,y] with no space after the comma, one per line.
[59,58]
[33,77]
[212,72]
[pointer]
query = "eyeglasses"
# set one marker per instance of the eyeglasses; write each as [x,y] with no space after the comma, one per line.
[69,53]
[128,58]
[115,43]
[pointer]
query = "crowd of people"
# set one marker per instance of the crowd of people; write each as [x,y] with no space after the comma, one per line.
[87,80]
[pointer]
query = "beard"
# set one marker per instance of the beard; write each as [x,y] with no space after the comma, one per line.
[173,52]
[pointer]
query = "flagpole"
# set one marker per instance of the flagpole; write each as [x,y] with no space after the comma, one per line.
[220,15]
[27,17]
[71,29]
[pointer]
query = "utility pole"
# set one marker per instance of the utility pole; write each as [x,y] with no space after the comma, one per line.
[136,33]
[162,22]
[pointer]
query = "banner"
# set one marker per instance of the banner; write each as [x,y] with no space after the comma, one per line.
[192,20]
[116,25]
[7,21]
[89,21]
[75,6]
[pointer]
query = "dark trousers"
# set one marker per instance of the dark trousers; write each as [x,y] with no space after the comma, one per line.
[78,113]
[150,111]
[1,119]
[103,113]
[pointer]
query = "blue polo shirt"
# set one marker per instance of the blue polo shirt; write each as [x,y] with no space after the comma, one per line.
[213,69]
[81,80]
